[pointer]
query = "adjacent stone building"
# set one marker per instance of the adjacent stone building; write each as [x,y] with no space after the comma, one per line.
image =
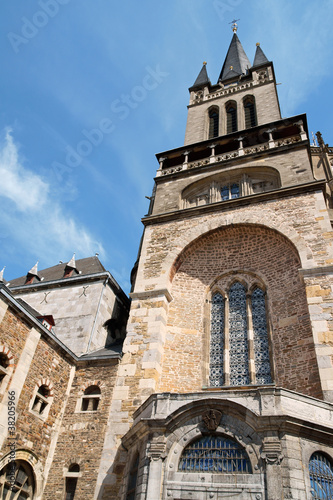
[222,384]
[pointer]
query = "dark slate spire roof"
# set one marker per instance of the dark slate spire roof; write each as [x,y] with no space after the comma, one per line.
[202,78]
[236,62]
[260,57]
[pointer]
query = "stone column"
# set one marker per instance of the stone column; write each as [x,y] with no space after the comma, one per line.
[272,457]
[212,154]
[156,454]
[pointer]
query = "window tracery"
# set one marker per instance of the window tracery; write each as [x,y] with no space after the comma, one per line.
[239,342]
[17,482]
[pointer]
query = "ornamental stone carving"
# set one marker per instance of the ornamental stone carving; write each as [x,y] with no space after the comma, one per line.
[211,419]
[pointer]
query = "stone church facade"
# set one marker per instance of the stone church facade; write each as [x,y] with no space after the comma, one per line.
[221,384]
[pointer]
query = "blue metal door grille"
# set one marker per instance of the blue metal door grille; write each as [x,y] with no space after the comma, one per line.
[214,454]
[321,477]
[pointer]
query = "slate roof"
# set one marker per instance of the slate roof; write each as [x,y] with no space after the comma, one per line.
[236,58]
[89,265]
[109,351]
[202,78]
[259,57]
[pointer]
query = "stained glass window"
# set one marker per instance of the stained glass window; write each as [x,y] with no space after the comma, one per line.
[261,350]
[214,454]
[321,477]
[234,369]
[239,355]
[217,341]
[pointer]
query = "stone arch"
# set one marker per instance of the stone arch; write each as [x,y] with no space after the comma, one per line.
[239,248]
[32,460]
[192,236]
[185,426]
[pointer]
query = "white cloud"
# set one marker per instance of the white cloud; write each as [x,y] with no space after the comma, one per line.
[23,187]
[36,221]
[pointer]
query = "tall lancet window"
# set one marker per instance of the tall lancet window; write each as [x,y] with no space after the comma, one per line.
[239,354]
[213,123]
[260,338]
[250,112]
[217,341]
[239,341]
[231,109]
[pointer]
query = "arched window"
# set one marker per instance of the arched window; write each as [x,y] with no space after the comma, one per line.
[91,398]
[214,454]
[213,115]
[133,475]
[250,112]
[41,400]
[17,481]
[260,338]
[71,481]
[231,109]
[239,346]
[238,343]
[321,477]
[4,363]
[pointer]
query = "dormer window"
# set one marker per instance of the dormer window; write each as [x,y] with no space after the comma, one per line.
[213,123]
[231,109]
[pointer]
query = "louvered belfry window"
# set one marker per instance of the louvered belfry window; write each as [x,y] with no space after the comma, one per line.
[239,338]
[213,123]
[231,118]
[250,113]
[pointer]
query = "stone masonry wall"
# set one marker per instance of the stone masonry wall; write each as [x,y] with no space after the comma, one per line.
[74,309]
[35,362]
[266,104]
[293,167]
[239,250]
[82,434]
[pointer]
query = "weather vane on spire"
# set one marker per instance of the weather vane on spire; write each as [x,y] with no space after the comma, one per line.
[234,25]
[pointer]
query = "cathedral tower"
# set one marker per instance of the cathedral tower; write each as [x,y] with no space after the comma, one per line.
[228,359]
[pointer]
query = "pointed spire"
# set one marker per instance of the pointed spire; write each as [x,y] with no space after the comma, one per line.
[260,57]
[34,270]
[202,78]
[236,62]
[1,274]
[71,263]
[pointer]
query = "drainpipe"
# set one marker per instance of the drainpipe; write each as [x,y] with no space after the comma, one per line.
[95,320]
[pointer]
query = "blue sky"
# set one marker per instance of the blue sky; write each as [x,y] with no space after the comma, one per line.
[92,89]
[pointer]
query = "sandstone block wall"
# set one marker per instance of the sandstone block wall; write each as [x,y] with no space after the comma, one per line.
[266,105]
[293,168]
[82,434]
[35,362]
